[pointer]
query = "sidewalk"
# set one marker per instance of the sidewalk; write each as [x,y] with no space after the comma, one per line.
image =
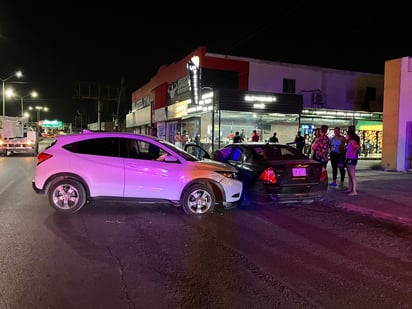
[386,195]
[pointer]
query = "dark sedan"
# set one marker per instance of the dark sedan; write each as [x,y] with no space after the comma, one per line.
[274,172]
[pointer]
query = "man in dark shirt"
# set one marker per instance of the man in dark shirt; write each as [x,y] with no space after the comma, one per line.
[237,138]
[300,141]
[153,149]
[274,138]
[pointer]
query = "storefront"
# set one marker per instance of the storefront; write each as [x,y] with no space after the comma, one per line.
[370,133]
[139,119]
[222,112]
[369,126]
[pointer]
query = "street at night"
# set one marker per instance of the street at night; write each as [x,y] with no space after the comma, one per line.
[120,255]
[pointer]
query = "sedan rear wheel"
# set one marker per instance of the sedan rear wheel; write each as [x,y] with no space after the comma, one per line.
[67,196]
[198,199]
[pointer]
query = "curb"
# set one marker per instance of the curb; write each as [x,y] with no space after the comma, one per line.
[375,214]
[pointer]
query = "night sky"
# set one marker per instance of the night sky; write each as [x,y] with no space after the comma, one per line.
[55,46]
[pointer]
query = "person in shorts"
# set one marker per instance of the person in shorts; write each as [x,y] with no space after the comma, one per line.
[351,160]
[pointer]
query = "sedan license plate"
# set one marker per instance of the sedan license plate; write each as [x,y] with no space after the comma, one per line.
[299,172]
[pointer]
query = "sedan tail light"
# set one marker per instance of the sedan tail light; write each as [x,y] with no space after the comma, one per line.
[41,157]
[268,176]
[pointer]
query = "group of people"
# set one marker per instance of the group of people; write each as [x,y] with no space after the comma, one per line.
[181,139]
[343,152]
[239,137]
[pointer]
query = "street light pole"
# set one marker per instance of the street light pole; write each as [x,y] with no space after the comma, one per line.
[32,94]
[22,106]
[40,108]
[18,74]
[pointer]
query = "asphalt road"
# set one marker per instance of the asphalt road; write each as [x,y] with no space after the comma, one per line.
[121,255]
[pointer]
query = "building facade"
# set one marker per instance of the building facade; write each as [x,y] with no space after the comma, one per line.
[240,94]
[397,135]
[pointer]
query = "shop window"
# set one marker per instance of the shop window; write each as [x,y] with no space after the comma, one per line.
[370,95]
[289,85]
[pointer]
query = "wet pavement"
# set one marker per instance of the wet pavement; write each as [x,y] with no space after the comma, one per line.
[383,194]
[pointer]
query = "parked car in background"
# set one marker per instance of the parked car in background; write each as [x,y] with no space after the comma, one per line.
[77,168]
[273,172]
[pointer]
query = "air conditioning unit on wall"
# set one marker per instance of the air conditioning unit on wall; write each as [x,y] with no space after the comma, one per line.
[317,98]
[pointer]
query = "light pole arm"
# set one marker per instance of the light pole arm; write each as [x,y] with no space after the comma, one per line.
[18,74]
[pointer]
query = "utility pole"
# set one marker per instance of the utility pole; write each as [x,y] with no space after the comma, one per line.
[99,93]
[121,93]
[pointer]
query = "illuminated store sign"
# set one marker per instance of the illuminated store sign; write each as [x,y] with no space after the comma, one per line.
[246,101]
[256,98]
[177,110]
[205,104]
[179,87]
[340,114]
[193,69]
[259,105]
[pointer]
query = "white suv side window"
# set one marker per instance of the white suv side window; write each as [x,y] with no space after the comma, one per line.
[150,151]
[108,147]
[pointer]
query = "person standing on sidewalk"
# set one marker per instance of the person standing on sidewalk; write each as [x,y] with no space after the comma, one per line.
[299,142]
[315,135]
[353,129]
[321,146]
[255,136]
[185,139]
[352,152]
[337,157]
[242,135]
[178,139]
[237,138]
[274,138]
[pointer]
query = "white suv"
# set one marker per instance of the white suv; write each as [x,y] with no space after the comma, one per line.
[77,168]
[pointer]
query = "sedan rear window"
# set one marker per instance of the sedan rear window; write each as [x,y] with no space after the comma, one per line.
[278,152]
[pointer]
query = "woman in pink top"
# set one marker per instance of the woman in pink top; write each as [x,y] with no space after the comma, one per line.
[352,151]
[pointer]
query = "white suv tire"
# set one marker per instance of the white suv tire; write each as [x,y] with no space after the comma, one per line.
[67,195]
[198,199]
